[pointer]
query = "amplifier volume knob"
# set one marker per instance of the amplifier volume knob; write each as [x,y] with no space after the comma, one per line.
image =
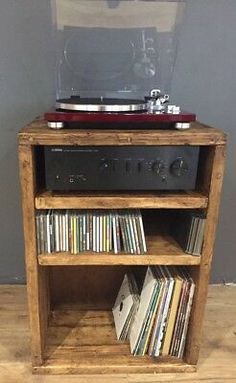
[158,167]
[179,167]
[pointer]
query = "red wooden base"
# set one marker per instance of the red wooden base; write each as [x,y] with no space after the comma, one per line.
[62,116]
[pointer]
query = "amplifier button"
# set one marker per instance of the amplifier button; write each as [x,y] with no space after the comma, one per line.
[115,163]
[158,167]
[140,166]
[128,166]
[104,165]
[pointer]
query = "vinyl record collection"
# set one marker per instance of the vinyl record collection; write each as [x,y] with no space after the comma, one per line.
[76,231]
[155,322]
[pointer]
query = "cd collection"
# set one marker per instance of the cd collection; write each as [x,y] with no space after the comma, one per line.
[190,233]
[76,231]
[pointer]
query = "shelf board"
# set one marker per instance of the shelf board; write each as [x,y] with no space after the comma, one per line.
[37,133]
[109,200]
[84,342]
[162,250]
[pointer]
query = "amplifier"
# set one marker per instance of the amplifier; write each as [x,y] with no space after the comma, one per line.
[121,167]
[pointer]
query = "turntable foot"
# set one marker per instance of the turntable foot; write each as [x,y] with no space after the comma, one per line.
[182,125]
[55,125]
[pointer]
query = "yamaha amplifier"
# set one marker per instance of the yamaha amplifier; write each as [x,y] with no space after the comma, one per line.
[121,167]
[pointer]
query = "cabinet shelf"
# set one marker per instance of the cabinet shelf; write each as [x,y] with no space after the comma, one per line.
[109,200]
[84,342]
[63,259]
[162,250]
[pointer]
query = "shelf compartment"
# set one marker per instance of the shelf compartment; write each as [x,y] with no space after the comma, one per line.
[109,200]
[162,250]
[84,342]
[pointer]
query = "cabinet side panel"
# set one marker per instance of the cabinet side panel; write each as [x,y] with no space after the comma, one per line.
[37,277]
[201,276]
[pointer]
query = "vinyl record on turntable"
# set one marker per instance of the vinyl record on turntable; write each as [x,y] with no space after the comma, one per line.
[79,104]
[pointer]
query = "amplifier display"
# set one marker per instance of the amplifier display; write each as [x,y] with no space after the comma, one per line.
[121,167]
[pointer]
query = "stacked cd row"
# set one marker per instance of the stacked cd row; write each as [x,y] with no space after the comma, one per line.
[76,231]
[190,233]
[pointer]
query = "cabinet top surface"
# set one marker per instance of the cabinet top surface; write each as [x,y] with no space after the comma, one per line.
[37,133]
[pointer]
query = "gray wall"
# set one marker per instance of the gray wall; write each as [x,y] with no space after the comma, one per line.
[204,82]
[25,92]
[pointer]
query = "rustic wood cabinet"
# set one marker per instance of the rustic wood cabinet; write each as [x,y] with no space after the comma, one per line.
[70,296]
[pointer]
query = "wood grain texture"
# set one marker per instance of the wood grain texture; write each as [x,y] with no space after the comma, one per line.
[85,342]
[215,176]
[217,355]
[109,259]
[162,250]
[36,276]
[37,133]
[178,200]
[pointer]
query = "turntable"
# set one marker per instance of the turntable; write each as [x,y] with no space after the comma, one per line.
[153,110]
[110,66]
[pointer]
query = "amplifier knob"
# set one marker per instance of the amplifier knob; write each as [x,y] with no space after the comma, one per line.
[158,167]
[179,167]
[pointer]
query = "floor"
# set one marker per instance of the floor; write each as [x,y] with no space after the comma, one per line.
[217,362]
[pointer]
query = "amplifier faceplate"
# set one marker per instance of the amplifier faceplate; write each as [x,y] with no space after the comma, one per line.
[121,167]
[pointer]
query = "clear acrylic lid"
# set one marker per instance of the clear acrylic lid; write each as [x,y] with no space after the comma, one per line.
[115,48]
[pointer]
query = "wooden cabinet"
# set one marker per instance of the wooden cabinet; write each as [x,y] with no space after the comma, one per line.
[70,296]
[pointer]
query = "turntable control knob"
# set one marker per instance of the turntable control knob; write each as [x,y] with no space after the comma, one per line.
[158,167]
[179,167]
